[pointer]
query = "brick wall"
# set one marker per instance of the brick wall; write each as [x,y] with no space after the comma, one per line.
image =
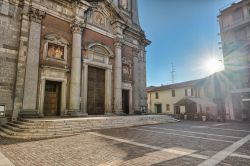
[53,25]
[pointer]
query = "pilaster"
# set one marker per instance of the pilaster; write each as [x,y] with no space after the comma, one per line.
[28,65]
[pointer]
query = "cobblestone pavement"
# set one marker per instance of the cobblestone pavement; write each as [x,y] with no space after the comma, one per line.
[183,143]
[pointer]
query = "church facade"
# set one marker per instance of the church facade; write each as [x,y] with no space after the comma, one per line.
[71,58]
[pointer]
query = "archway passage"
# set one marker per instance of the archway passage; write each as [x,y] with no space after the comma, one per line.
[96,91]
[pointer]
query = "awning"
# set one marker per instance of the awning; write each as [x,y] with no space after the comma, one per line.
[202,101]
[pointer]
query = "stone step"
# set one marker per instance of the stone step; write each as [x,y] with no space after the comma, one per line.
[52,128]
[34,137]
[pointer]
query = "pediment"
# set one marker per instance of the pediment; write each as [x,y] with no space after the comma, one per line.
[102,14]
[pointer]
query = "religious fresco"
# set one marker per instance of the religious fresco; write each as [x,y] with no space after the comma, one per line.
[55,51]
[126,70]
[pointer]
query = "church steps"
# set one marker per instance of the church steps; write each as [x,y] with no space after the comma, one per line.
[53,128]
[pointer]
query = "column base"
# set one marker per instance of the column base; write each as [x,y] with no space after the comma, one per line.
[120,113]
[30,114]
[109,114]
[77,113]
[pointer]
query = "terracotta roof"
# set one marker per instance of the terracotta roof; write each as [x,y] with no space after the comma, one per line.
[172,86]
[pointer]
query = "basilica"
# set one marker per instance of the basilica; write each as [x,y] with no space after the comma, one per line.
[71,58]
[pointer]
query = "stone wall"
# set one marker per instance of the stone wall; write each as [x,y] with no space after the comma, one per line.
[9,37]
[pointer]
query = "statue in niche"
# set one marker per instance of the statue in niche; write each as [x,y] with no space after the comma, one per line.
[124,4]
[99,20]
[55,51]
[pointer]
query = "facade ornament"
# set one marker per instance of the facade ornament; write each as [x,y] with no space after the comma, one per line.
[118,41]
[36,15]
[77,26]
[136,52]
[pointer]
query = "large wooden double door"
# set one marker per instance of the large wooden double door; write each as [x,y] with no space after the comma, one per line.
[96,91]
[52,98]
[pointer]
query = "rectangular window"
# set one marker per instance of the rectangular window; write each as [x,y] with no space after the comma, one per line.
[192,92]
[173,93]
[237,15]
[167,107]
[186,92]
[2,110]
[156,95]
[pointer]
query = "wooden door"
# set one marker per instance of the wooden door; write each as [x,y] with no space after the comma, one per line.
[125,101]
[52,98]
[96,91]
[158,108]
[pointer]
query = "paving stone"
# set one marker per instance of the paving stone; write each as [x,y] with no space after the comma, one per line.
[91,150]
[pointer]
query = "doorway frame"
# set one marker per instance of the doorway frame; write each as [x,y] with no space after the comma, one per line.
[100,59]
[59,83]
[57,75]
[108,84]
[128,86]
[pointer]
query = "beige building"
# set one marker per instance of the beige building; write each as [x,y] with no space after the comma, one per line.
[235,35]
[71,58]
[192,98]
[162,99]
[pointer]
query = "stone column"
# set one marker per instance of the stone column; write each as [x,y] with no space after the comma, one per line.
[118,27]
[136,80]
[85,89]
[32,62]
[118,77]
[108,92]
[75,83]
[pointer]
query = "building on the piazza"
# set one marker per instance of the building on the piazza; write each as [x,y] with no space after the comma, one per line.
[192,98]
[235,39]
[71,58]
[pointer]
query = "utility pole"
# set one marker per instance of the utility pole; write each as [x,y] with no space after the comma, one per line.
[172,72]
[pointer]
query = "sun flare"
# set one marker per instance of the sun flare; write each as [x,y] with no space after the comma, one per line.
[213,65]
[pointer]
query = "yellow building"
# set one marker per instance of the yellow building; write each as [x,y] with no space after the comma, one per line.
[162,99]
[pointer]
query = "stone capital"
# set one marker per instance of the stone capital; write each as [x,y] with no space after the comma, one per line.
[118,42]
[36,15]
[118,27]
[77,26]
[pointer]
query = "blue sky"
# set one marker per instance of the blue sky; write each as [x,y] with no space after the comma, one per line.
[184,32]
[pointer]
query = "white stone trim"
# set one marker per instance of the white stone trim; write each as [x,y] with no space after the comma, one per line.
[50,74]
[89,61]
[57,40]
[100,31]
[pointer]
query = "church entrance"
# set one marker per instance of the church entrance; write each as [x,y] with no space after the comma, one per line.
[52,98]
[125,101]
[96,91]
